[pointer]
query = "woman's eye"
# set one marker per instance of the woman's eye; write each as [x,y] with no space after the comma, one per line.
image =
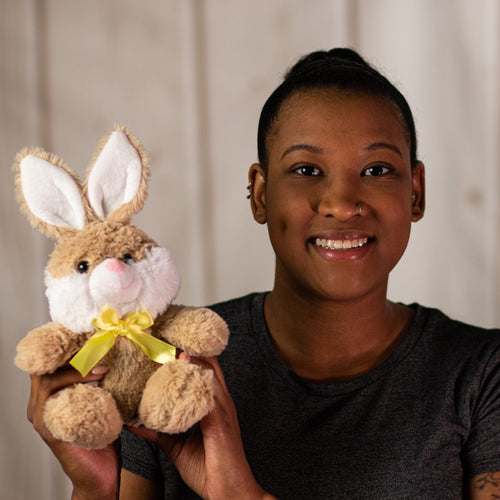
[376,170]
[307,170]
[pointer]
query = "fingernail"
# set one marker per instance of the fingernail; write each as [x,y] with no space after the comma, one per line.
[185,356]
[99,370]
[94,383]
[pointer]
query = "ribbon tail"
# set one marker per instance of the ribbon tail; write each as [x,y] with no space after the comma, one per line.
[92,352]
[155,349]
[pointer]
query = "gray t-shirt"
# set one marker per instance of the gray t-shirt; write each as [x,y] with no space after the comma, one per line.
[418,426]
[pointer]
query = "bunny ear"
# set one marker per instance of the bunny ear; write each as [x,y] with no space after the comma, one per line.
[49,193]
[117,180]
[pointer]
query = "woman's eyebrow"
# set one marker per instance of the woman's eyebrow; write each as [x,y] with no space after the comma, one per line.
[316,149]
[384,145]
[304,147]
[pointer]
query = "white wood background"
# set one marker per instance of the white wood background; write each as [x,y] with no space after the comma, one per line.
[189,77]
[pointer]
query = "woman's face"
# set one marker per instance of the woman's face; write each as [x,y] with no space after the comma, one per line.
[329,153]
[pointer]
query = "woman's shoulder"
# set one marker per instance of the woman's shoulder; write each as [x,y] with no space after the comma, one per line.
[434,318]
[452,335]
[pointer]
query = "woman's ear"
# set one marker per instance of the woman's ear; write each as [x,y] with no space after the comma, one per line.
[257,187]
[418,197]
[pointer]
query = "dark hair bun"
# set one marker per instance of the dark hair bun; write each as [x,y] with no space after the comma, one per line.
[336,56]
[346,55]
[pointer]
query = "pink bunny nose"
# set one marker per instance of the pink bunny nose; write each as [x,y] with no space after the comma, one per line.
[115,265]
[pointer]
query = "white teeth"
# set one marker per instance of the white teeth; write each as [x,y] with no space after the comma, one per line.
[341,244]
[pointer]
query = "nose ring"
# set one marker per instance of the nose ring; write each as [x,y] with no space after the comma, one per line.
[359,208]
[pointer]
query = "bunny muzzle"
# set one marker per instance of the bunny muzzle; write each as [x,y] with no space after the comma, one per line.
[115,283]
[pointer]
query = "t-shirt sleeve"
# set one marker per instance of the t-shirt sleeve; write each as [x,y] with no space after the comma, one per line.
[481,452]
[140,456]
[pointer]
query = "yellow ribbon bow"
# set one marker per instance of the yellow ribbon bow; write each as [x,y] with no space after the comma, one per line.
[110,327]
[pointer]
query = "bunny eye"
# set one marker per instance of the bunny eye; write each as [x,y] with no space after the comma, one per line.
[83,267]
[127,258]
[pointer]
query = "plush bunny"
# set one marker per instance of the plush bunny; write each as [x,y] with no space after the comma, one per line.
[110,289]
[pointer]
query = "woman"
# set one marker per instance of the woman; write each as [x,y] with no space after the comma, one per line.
[339,392]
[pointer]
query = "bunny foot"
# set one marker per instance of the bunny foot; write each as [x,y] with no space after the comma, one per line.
[177,396]
[84,416]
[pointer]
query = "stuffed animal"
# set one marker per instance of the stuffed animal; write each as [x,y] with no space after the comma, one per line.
[110,289]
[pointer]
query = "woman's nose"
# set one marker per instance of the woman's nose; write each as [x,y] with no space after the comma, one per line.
[339,202]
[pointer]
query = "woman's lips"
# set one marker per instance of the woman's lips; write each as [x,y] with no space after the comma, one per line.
[342,246]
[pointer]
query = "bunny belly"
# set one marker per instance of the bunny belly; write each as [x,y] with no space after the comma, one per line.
[129,370]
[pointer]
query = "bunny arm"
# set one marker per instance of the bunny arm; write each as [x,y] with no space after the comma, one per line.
[197,330]
[47,348]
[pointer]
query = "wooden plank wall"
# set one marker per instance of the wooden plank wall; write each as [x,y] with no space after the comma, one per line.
[189,77]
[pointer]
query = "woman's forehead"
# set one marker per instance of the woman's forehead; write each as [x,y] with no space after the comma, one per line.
[336,112]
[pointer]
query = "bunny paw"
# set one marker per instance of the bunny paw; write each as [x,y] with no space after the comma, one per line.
[46,348]
[177,396]
[84,416]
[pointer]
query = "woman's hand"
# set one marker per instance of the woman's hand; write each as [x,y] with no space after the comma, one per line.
[211,461]
[94,473]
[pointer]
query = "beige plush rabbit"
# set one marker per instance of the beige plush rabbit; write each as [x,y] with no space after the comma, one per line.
[110,289]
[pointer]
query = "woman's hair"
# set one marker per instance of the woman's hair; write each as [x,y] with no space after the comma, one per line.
[340,68]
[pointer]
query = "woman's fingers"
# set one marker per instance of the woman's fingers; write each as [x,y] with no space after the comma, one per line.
[212,364]
[144,432]
[64,377]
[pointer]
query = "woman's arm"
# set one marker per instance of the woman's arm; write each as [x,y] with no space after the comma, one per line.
[484,486]
[134,487]
[212,461]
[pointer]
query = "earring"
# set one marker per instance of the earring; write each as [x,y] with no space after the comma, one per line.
[248,195]
[412,196]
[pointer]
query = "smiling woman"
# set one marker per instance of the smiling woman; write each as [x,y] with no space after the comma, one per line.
[324,367]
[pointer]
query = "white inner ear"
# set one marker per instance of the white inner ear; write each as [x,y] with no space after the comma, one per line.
[51,193]
[116,175]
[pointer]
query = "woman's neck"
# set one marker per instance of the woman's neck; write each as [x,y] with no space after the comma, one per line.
[327,341]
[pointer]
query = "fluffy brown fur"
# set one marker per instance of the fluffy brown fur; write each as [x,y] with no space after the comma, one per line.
[183,378]
[182,324]
[98,424]
[98,241]
[47,348]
